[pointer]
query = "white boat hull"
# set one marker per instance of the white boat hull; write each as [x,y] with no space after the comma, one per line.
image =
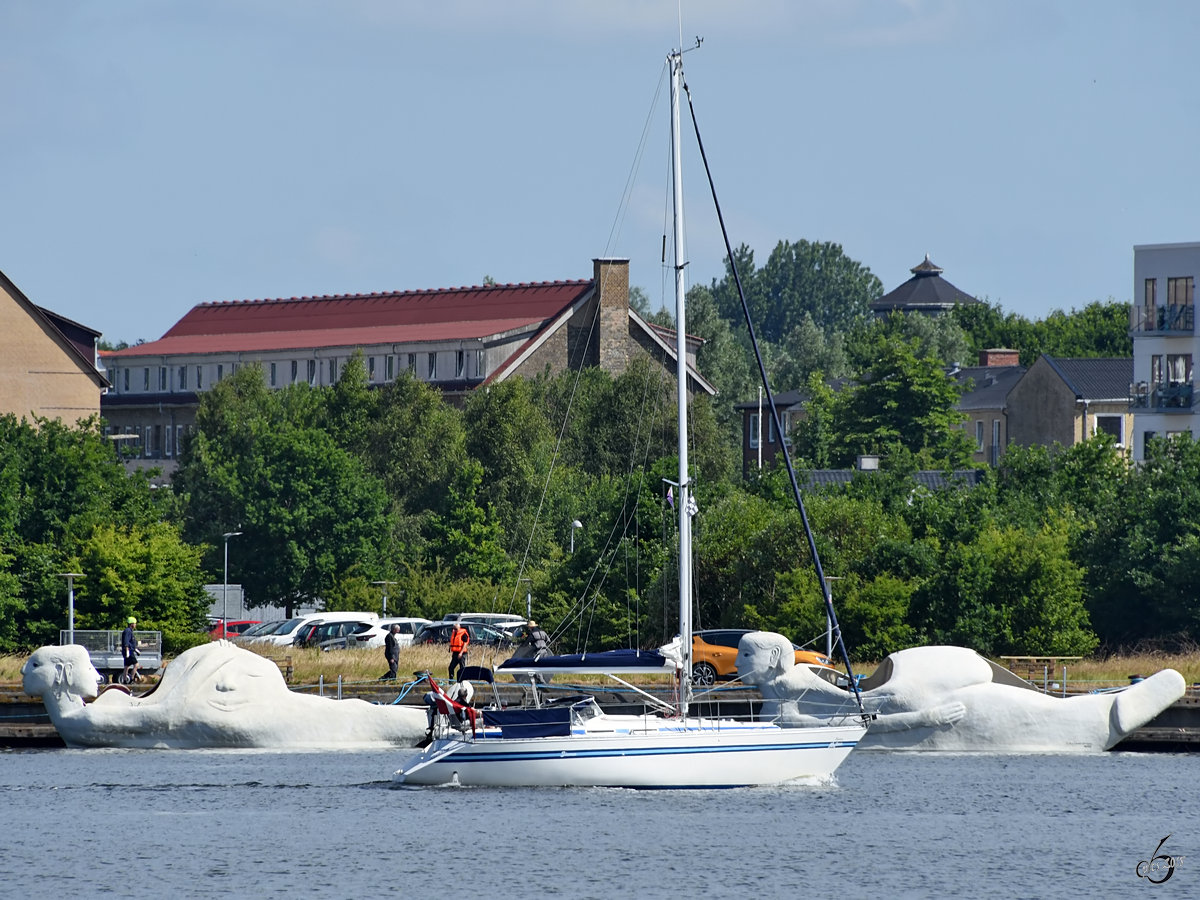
[700,755]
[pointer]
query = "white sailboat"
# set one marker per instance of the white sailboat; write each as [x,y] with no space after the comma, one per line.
[573,742]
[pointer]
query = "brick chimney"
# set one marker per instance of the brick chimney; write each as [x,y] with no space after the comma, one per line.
[612,288]
[999,357]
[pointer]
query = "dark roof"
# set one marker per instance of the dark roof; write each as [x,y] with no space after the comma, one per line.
[927,290]
[986,387]
[1095,379]
[934,481]
[788,399]
[356,319]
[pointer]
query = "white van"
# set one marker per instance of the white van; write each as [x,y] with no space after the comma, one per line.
[286,633]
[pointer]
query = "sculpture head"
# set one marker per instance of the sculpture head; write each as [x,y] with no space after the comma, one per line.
[764,655]
[55,671]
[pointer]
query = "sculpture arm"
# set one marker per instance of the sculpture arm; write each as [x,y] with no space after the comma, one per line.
[929,717]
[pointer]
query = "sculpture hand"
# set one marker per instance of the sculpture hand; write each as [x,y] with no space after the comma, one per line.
[948,713]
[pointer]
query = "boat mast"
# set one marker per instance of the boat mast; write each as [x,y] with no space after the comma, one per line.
[675,61]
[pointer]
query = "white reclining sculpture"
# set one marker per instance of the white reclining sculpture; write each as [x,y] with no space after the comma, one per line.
[215,695]
[951,698]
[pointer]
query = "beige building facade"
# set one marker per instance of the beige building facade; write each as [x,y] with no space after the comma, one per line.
[47,367]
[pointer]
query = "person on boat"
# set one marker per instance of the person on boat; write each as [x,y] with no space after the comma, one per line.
[460,639]
[536,643]
[455,704]
[129,653]
[391,652]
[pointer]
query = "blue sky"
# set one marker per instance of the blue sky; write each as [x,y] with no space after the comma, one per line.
[156,155]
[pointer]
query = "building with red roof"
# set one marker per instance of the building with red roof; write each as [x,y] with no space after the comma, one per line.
[456,339]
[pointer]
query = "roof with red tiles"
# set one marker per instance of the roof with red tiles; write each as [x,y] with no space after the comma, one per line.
[354,319]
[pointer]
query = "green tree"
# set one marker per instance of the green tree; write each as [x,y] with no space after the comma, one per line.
[798,278]
[904,400]
[1143,552]
[807,350]
[467,539]
[1009,591]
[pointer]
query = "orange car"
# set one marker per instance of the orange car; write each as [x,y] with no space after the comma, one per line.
[714,655]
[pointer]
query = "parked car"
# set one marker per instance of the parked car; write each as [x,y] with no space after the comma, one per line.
[231,628]
[254,632]
[286,633]
[374,636]
[499,621]
[485,635]
[714,654]
[330,635]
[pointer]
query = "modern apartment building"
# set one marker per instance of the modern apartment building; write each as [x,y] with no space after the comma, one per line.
[1162,321]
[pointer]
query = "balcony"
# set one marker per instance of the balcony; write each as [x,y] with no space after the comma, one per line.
[1177,319]
[1163,397]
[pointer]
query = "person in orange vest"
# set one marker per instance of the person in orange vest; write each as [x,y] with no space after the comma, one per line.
[459,639]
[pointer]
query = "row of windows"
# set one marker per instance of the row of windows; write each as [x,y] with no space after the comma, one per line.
[165,379]
[1180,291]
[770,422]
[149,441]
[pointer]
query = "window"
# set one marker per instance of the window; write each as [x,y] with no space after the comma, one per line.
[460,364]
[295,370]
[770,429]
[1179,368]
[145,379]
[1112,425]
[183,378]
[1151,285]
[126,380]
[333,370]
[273,366]
[199,379]
[753,431]
[432,366]
[148,440]
[162,378]
[178,440]
[391,368]
[412,363]
[312,371]
[479,364]
[220,371]
[370,368]
[168,444]
[978,435]
[1181,291]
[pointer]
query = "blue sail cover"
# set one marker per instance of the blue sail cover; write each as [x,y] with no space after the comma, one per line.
[605,661]
[530,723]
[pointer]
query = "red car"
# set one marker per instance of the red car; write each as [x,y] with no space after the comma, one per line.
[231,628]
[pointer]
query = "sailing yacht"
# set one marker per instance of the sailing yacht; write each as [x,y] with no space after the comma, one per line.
[572,741]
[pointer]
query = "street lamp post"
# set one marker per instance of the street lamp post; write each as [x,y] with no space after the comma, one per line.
[384,585]
[225,586]
[574,525]
[70,576]
[529,596]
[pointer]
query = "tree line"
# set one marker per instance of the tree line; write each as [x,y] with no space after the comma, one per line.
[1056,552]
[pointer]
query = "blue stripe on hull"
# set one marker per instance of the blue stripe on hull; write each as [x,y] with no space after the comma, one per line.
[459,759]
